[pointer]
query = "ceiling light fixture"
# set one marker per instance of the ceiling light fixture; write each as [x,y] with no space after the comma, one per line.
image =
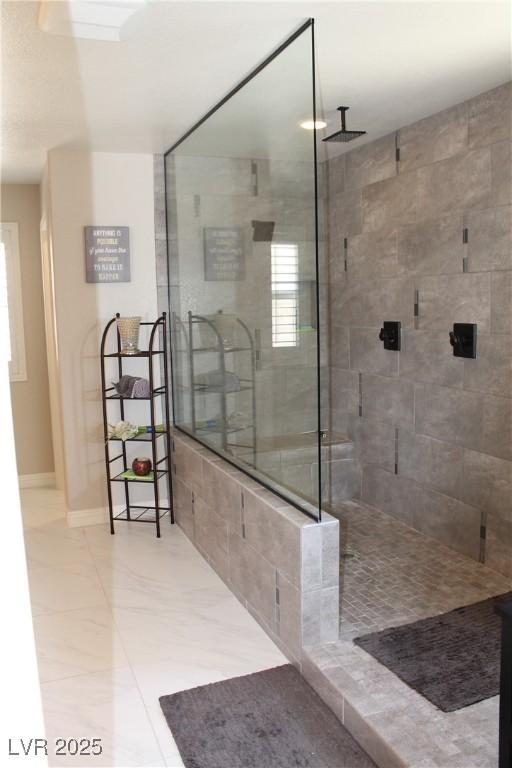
[313,125]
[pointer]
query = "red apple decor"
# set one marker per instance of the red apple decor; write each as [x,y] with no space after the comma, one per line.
[141,466]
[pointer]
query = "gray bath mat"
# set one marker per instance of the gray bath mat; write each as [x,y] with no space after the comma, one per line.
[452,659]
[271,719]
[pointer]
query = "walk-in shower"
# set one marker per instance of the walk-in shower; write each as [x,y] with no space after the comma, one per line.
[242,218]
[318,308]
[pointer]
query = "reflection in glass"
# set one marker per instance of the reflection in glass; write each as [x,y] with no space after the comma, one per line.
[242,240]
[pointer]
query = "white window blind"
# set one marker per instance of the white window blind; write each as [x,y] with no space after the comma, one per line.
[285,294]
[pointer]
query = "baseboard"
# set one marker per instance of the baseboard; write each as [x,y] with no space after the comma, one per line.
[40,480]
[79,517]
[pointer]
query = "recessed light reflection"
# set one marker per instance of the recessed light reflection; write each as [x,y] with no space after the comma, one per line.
[312,125]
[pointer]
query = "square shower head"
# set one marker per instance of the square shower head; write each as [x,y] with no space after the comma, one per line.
[344,135]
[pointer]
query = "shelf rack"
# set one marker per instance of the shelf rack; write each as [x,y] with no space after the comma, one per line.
[246,385]
[139,513]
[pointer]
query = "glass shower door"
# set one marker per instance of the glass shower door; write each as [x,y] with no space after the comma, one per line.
[242,240]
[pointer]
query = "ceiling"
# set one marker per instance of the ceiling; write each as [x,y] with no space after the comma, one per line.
[392,62]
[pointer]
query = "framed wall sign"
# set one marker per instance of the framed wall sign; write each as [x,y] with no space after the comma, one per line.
[107,254]
[224,257]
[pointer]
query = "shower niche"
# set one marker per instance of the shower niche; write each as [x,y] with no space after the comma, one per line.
[243,252]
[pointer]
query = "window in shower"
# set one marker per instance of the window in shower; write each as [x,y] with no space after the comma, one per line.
[242,250]
[285,294]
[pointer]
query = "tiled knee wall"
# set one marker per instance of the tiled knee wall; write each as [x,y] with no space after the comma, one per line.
[280,564]
[420,232]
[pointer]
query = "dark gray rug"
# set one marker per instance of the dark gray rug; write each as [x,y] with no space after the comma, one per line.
[452,659]
[271,719]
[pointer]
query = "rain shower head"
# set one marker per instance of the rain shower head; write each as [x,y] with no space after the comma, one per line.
[344,135]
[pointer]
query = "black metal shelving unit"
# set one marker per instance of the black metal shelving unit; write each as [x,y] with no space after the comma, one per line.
[157,350]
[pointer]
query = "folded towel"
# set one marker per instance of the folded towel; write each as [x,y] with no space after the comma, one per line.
[132,386]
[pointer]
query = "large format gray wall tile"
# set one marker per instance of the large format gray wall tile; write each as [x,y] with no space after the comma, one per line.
[221,489]
[448,299]
[491,370]
[374,441]
[434,138]
[390,400]
[432,247]
[184,507]
[373,254]
[211,535]
[501,191]
[369,302]
[480,422]
[345,217]
[367,353]
[335,175]
[463,181]
[497,545]
[490,116]
[344,397]
[489,239]
[393,494]
[488,483]
[431,462]
[391,202]
[501,302]
[446,519]
[283,548]
[339,353]
[253,576]
[427,356]
[371,162]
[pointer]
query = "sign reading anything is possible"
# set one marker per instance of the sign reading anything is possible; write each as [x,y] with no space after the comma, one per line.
[107,254]
[223,253]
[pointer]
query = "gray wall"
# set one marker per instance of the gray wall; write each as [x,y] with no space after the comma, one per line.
[399,226]
[30,399]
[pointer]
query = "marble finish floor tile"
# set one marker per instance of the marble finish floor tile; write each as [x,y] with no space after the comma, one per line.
[120,621]
[77,642]
[62,589]
[104,705]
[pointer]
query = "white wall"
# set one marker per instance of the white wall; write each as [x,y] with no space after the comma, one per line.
[93,189]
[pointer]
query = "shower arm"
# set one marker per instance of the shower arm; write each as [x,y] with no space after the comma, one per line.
[343,111]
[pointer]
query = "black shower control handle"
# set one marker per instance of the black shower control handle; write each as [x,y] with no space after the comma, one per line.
[390,335]
[463,339]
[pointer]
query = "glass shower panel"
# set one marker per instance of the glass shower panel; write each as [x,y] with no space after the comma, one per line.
[242,239]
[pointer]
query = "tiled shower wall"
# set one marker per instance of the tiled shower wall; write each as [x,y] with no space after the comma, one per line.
[422,217]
